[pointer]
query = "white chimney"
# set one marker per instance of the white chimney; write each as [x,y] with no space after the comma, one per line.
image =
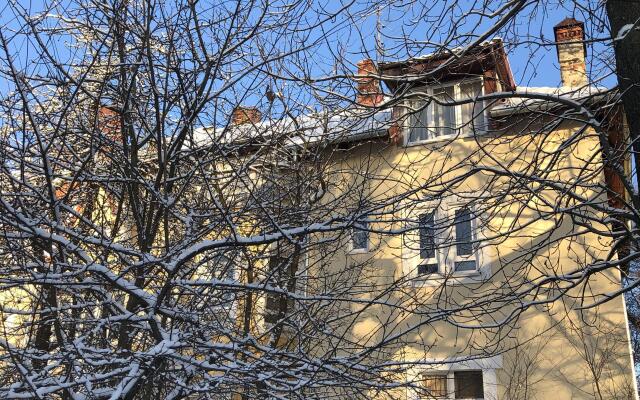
[572,52]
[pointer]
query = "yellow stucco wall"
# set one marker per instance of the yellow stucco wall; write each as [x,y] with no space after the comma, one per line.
[554,349]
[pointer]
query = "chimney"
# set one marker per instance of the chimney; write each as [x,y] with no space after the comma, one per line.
[108,122]
[572,52]
[245,115]
[369,92]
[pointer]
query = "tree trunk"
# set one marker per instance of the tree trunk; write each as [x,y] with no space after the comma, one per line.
[627,52]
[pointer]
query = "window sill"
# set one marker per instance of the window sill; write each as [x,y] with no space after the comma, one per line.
[357,251]
[457,278]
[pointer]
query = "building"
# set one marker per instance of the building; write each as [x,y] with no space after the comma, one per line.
[460,216]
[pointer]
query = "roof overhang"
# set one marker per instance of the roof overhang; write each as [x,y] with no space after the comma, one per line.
[449,65]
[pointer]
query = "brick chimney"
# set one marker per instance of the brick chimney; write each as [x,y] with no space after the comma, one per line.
[369,92]
[108,122]
[572,52]
[245,115]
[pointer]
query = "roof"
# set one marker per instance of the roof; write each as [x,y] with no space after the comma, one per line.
[525,104]
[354,123]
[568,22]
[359,123]
[436,55]
[489,57]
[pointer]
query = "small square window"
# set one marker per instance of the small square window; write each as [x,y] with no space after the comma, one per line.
[465,265]
[360,236]
[468,384]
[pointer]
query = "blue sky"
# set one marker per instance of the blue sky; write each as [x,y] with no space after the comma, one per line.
[529,40]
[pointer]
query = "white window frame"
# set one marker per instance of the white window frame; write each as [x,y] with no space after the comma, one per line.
[411,242]
[430,90]
[445,243]
[449,367]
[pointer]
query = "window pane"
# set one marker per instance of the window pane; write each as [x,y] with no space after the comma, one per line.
[418,121]
[474,110]
[465,265]
[426,269]
[427,236]
[468,385]
[279,276]
[435,386]
[444,116]
[360,236]
[463,232]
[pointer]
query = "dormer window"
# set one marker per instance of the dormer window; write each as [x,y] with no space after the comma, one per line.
[431,116]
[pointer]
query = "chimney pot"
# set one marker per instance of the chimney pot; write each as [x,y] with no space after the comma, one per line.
[572,52]
[369,92]
[246,115]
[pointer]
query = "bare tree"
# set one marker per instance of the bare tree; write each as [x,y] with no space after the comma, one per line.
[160,238]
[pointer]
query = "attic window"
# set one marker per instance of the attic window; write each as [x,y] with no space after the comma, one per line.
[430,116]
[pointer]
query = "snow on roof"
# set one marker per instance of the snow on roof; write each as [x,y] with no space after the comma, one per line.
[354,123]
[517,104]
[444,52]
[359,123]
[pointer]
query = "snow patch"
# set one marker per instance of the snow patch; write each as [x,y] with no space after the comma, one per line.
[624,31]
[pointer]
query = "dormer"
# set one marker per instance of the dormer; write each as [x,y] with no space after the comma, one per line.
[441,91]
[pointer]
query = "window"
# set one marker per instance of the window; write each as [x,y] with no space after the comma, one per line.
[472,113]
[419,121]
[444,117]
[466,384]
[441,240]
[286,269]
[360,236]
[280,269]
[438,119]
[426,227]
[434,386]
